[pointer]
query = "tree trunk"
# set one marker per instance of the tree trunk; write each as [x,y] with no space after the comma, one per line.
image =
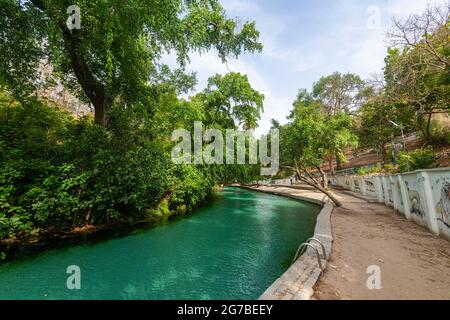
[314,184]
[330,161]
[332,198]
[427,128]
[383,153]
[324,177]
[338,162]
[100,109]
[93,88]
[328,194]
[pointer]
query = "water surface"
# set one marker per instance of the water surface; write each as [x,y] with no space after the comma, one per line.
[232,249]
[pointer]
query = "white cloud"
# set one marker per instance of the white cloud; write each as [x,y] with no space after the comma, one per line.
[208,64]
[240,6]
[275,107]
[340,41]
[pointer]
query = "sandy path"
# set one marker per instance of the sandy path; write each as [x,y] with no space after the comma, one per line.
[414,263]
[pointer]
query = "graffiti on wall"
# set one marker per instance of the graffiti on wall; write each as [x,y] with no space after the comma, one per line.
[357,186]
[417,200]
[390,193]
[370,186]
[416,205]
[399,190]
[347,183]
[411,194]
[440,189]
[443,206]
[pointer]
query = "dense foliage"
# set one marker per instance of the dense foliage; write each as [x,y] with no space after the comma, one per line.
[59,172]
[418,159]
[415,86]
[117,47]
[311,137]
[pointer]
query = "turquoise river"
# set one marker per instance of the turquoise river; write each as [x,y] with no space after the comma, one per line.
[234,248]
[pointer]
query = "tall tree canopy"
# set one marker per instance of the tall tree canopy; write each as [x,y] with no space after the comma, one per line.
[417,68]
[230,101]
[59,172]
[338,92]
[112,56]
[310,138]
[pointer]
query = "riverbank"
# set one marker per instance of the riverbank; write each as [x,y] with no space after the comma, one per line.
[414,263]
[14,248]
[298,281]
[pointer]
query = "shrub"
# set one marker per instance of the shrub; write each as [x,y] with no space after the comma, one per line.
[439,131]
[418,159]
[370,170]
[191,188]
[58,173]
[391,168]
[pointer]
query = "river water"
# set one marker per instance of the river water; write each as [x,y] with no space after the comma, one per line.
[234,248]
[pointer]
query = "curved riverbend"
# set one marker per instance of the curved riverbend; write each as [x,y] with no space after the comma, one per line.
[232,249]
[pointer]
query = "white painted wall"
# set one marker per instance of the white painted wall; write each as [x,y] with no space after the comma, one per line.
[422,196]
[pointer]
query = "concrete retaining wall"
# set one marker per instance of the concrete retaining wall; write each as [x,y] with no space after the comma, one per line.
[422,196]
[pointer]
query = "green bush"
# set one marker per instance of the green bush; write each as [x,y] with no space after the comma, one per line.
[391,168]
[439,132]
[370,170]
[191,188]
[418,159]
[59,173]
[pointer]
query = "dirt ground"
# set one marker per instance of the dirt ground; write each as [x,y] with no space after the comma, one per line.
[414,263]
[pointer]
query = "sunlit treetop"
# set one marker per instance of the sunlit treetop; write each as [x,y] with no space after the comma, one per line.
[114,52]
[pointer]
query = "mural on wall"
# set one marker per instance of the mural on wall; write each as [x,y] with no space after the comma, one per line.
[443,207]
[357,186]
[347,183]
[370,188]
[416,206]
[440,189]
[417,201]
[399,190]
[390,193]
[425,210]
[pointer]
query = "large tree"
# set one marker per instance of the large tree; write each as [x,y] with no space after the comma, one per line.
[112,56]
[338,92]
[308,140]
[417,69]
[374,127]
[231,101]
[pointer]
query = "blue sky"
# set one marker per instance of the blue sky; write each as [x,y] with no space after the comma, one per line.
[304,40]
